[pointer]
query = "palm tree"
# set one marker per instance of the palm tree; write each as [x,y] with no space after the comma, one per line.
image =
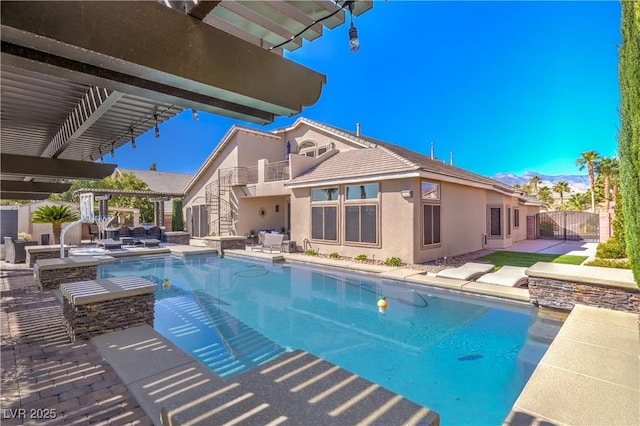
[533,183]
[590,159]
[578,202]
[545,194]
[561,187]
[56,216]
[607,167]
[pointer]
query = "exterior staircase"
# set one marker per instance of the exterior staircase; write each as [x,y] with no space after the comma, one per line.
[218,204]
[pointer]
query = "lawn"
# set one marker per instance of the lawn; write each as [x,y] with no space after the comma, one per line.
[513,258]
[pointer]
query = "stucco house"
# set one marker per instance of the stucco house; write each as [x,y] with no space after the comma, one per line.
[339,191]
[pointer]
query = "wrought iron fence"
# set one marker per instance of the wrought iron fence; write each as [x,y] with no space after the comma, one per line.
[568,225]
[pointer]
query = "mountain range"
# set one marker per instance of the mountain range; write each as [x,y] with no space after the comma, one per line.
[577,183]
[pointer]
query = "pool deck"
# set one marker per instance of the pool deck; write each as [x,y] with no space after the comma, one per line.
[590,374]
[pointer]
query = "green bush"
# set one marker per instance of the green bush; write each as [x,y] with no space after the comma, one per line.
[334,255]
[311,252]
[361,257]
[610,263]
[612,249]
[177,219]
[393,261]
[546,229]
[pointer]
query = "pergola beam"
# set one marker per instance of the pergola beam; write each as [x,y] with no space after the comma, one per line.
[206,63]
[9,186]
[23,165]
[95,103]
[22,196]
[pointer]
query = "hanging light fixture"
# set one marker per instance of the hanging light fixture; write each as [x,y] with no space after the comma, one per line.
[155,116]
[133,139]
[113,154]
[354,41]
[194,114]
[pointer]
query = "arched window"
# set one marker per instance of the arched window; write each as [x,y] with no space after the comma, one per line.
[307,148]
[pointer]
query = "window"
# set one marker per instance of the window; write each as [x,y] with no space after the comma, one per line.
[362,192]
[324,194]
[324,223]
[516,218]
[431,224]
[508,221]
[361,223]
[495,227]
[322,150]
[430,191]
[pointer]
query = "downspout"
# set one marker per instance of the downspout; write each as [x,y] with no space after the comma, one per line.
[64,231]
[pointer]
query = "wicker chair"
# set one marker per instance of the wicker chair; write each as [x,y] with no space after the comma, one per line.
[14,251]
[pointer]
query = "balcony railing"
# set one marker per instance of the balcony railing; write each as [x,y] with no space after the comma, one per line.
[277,171]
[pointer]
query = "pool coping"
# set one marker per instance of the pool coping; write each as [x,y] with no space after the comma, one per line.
[414,276]
[593,365]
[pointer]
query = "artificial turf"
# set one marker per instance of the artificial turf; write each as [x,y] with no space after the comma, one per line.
[513,258]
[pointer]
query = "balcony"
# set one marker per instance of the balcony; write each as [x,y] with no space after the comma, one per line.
[265,179]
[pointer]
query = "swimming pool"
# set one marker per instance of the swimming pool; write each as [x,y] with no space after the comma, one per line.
[465,357]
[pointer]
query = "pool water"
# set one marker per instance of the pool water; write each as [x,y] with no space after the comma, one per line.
[466,357]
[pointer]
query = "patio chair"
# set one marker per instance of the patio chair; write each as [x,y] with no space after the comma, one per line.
[468,272]
[124,232]
[150,242]
[94,231]
[109,244]
[512,276]
[154,233]
[271,242]
[138,233]
[14,251]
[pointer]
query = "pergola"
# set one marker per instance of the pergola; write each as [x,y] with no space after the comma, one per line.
[81,79]
[158,198]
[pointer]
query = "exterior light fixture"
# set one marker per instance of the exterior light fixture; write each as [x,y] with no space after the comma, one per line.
[354,42]
[113,154]
[133,138]
[194,114]
[155,116]
[406,193]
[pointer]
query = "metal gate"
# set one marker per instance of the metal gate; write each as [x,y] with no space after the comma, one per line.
[568,225]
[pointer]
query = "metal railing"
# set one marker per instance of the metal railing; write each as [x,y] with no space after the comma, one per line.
[277,171]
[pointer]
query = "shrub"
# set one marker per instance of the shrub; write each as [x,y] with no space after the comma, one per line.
[393,261]
[177,219]
[25,236]
[311,252]
[361,257]
[612,249]
[334,255]
[610,263]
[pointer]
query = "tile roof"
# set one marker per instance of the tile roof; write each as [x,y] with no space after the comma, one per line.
[162,181]
[355,163]
[412,159]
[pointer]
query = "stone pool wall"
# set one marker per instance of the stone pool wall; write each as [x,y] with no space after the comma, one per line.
[92,319]
[559,286]
[226,243]
[50,273]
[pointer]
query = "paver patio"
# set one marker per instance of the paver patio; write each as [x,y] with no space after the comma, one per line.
[46,375]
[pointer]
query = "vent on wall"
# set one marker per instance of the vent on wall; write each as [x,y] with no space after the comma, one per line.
[484,240]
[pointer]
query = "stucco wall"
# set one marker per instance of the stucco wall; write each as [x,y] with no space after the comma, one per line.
[249,217]
[37,229]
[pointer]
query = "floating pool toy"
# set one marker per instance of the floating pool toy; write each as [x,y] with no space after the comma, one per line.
[382,304]
[166,283]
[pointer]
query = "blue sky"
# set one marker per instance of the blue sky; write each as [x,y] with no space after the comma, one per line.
[505,86]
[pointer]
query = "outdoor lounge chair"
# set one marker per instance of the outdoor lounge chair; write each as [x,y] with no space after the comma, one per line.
[14,251]
[469,271]
[109,244]
[271,242]
[512,276]
[124,232]
[150,242]
[138,233]
[154,233]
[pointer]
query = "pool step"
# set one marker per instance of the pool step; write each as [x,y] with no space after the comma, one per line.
[242,347]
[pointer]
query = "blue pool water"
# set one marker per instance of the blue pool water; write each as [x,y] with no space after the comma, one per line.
[465,357]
